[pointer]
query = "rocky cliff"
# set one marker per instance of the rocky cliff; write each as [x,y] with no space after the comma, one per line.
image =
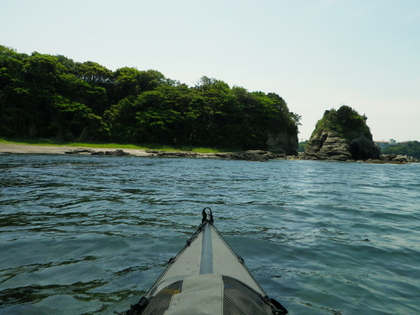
[328,145]
[283,143]
[342,135]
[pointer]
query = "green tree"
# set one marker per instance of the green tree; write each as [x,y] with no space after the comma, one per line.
[70,65]
[347,122]
[94,73]
[12,90]
[131,82]
[72,120]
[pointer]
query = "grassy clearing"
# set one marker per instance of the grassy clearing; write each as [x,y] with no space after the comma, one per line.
[150,146]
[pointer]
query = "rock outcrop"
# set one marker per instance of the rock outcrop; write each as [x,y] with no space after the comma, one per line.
[394,159]
[363,148]
[177,154]
[250,155]
[255,155]
[330,146]
[342,135]
[117,152]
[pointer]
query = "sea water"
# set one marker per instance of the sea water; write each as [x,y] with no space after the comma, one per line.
[90,234]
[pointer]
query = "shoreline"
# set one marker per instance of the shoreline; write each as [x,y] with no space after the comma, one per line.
[6,148]
[251,155]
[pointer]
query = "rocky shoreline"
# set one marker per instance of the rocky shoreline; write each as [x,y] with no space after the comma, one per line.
[384,158]
[250,155]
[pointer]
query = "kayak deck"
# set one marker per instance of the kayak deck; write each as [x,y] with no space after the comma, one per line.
[206,277]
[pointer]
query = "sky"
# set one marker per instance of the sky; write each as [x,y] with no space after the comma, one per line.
[316,54]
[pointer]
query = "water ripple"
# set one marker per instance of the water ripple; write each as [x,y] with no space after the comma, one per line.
[87,235]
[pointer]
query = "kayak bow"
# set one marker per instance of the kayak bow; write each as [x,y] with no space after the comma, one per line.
[206,277]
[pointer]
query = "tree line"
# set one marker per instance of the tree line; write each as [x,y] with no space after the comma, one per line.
[49,96]
[411,148]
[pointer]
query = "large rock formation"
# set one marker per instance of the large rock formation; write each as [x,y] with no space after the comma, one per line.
[342,135]
[328,145]
[363,148]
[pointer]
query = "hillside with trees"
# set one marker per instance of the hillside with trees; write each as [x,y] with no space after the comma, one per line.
[49,96]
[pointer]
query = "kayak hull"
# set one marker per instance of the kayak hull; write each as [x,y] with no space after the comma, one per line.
[206,277]
[208,253]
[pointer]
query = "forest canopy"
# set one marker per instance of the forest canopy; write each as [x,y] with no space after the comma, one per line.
[49,96]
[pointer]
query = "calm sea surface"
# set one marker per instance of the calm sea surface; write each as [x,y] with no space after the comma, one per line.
[88,235]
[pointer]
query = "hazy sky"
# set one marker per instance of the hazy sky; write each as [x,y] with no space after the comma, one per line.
[316,54]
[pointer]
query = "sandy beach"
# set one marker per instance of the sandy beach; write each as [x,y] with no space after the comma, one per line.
[36,149]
